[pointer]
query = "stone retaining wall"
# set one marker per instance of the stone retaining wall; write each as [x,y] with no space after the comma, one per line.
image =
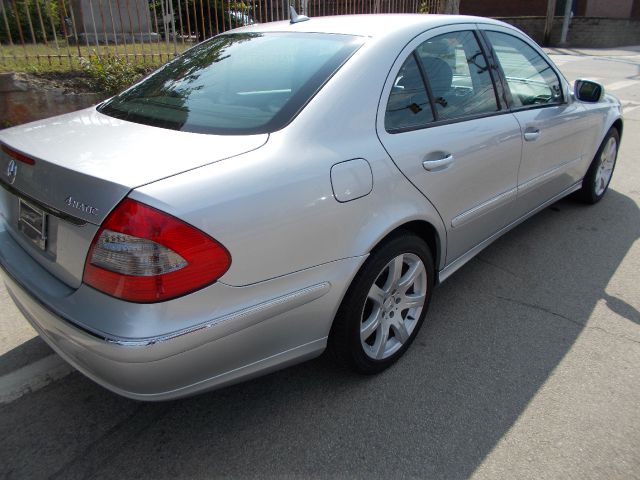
[584,32]
[22,100]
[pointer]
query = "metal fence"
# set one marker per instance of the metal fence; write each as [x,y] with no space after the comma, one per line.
[61,32]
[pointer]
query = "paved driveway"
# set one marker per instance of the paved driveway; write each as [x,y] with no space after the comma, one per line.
[529,367]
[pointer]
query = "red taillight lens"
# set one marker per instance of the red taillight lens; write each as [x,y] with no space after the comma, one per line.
[143,255]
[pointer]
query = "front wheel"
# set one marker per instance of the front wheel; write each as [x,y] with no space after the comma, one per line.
[385,305]
[598,177]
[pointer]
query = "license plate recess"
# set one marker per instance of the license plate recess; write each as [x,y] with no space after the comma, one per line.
[32,222]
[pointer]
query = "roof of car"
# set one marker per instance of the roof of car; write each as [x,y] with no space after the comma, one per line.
[374,25]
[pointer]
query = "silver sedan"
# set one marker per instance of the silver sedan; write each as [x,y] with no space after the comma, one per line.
[286,188]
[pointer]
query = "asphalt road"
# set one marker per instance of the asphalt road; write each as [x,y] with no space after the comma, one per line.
[529,367]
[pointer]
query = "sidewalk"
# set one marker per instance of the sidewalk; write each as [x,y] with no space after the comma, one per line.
[630,51]
[27,363]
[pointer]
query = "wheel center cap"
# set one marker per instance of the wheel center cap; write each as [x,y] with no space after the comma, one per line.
[389,304]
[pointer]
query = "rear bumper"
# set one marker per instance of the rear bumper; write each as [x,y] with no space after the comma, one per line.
[228,348]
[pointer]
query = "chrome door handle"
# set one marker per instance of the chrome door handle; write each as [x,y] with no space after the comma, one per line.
[438,164]
[531,134]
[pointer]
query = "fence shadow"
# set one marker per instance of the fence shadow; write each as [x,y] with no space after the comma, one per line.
[497,330]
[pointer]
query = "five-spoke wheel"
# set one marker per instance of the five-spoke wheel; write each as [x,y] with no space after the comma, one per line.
[385,305]
[393,306]
[598,177]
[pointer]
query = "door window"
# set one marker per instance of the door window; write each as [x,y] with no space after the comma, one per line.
[458,75]
[408,104]
[531,79]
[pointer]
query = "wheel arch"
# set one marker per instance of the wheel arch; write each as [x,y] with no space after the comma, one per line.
[337,343]
[618,125]
[426,231]
[429,234]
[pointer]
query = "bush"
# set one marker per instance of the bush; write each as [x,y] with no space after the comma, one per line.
[109,74]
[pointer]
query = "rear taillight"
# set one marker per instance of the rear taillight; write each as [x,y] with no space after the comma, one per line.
[17,155]
[141,254]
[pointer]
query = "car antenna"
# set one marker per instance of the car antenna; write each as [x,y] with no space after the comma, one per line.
[295,18]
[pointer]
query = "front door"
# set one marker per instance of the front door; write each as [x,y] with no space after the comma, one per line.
[554,129]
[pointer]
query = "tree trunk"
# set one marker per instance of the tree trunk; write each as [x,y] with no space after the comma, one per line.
[548,24]
[451,7]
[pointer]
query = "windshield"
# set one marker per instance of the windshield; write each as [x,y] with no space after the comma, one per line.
[243,83]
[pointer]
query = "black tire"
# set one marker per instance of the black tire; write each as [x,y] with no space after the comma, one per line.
[345,340]
[591,191]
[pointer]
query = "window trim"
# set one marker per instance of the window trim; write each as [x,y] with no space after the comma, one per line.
[503,77]
[495,71]
[426,84]
[449,121]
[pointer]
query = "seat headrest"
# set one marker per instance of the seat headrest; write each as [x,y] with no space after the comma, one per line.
[439,74]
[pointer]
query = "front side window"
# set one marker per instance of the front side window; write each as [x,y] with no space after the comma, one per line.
[243,83]
[531,79]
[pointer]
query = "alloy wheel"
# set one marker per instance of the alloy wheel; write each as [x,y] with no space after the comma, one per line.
[605,168]
[393,306]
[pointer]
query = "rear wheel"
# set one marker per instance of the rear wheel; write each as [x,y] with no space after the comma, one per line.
[598,177]
[385,305]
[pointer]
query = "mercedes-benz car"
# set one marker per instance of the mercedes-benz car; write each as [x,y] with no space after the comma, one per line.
[285,188]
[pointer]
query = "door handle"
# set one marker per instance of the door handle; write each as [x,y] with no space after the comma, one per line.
[438,163]
[531,134]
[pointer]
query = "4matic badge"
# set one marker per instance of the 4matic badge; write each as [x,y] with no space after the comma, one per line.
[78,205]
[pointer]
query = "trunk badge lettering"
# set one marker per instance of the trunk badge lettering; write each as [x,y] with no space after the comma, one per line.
[12,171]
[78,205]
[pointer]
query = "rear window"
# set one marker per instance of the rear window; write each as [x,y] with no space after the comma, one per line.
[243,83]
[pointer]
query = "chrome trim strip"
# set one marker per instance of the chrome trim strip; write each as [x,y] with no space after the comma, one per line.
[483,208]
[226,324]
[447,271]
[540,179]
[50,210]
[262,310]
[274,362]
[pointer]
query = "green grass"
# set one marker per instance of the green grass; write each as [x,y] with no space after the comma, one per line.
[41,58]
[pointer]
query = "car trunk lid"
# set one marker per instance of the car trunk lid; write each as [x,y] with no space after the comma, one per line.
[84,164]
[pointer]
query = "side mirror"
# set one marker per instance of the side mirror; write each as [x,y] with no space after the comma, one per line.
[588,91]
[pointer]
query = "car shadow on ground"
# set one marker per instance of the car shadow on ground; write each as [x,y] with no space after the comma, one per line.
[497,330]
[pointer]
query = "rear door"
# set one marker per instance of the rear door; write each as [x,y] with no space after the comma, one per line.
[450,133]
[554,128]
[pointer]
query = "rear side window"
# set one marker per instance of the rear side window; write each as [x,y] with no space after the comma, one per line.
[458,81]
[531,80]
[408,104]
[236,84]
[458,75]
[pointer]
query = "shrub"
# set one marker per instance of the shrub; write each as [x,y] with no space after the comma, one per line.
[109,74]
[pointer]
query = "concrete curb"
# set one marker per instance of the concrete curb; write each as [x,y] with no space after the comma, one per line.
[32,377]
[629,51]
